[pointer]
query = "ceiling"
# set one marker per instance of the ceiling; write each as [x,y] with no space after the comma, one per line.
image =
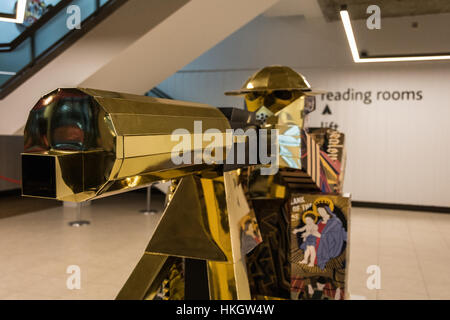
[285,8]
[389,8]
[412,27]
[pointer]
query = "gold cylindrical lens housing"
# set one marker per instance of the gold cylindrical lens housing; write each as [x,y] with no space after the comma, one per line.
[82,144]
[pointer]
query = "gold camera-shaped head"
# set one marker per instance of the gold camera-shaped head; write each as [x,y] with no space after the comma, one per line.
[82,144]
[273,87]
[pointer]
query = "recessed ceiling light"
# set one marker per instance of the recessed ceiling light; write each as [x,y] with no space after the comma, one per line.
[20,13]
[7,73]
[345,17]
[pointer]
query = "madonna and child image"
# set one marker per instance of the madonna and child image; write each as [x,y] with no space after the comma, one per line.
[318,248]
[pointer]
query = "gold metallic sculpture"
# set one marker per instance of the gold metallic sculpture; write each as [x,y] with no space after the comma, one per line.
[97,143]
[222,222]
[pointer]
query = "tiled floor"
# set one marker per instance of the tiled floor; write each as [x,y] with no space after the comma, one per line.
[37,248]
[412,250]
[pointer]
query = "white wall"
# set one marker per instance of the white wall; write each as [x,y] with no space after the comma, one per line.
[182,37]
[398,151]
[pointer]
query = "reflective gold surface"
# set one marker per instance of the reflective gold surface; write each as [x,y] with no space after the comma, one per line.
[203,221]
[243,232]
[188,228]
[222,281]
[173,285]
[99,143]
[146,278]
[282,99]
[273,78]
[274,88]
[83,144]
[291,114]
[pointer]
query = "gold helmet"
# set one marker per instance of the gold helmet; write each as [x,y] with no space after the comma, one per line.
[273,87]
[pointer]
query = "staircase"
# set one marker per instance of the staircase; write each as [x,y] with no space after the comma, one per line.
[122,45]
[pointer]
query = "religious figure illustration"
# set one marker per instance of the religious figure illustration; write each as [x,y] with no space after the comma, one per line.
[319,258]
[310,234]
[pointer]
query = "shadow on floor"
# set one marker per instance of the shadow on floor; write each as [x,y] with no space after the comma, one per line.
[13,204]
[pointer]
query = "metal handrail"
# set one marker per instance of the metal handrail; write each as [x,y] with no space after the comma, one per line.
[31,30]
[160,94]
[38,62]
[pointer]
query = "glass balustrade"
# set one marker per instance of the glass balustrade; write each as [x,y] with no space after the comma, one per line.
[22,47]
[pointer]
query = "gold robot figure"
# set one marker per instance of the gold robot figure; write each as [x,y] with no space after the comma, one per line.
[225,232]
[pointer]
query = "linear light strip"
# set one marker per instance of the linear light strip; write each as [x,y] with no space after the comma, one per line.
[345,17]
[7,73]
[20,13]
[350,35]
[399,59]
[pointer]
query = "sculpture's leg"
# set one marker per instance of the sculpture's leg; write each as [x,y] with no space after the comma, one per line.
[191,225]
[146,279]
[226,206]
[196,279]
[222,281]
[202,224]
[198,227]
[269,263]
[173,286]
[229,280]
